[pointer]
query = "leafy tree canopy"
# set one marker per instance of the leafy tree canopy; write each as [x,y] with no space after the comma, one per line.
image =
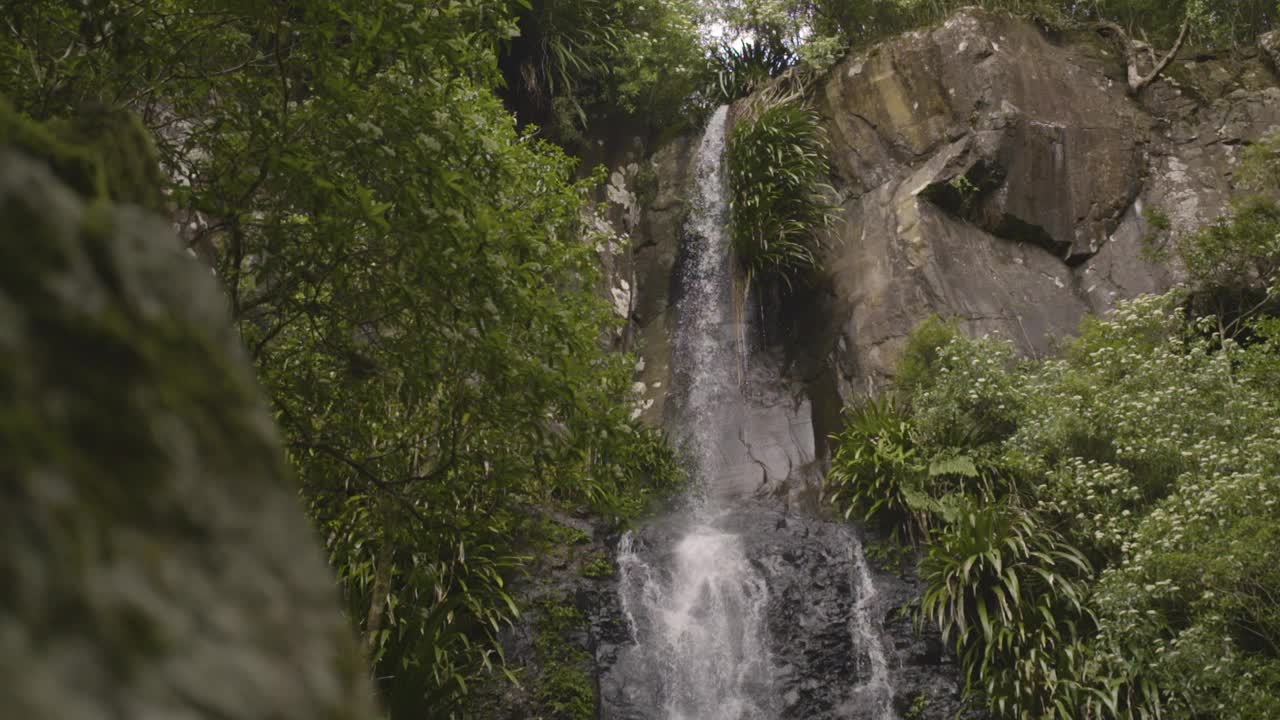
[416,280]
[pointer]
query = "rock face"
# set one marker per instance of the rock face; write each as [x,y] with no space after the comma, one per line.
[156,562]
[999,175]
[1270,44]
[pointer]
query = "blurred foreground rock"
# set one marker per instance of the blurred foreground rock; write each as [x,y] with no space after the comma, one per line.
[155,560]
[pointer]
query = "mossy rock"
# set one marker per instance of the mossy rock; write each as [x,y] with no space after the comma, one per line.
[101,153]
[562,686]
[155,557]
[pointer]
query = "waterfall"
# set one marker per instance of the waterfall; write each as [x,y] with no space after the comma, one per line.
[708,338]
[876,694]
[696,602]
[702,624]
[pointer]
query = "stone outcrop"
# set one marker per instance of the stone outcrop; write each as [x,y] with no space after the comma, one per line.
[156,561]
[988,171]
[1000,175]
[1270,44]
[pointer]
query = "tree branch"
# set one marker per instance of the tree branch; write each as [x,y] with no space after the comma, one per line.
[1160,66]
[1133,51]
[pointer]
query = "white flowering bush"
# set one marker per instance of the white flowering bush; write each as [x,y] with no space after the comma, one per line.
[1122,557]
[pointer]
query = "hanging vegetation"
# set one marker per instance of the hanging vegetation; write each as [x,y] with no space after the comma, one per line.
[778,191]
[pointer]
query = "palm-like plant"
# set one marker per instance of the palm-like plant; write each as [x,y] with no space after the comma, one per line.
[746,66]
[878,472]
[884,474]
[777,160]
[1009,591]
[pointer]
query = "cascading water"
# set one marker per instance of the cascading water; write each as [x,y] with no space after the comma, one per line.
[703,624]
[876,694]
[697,603]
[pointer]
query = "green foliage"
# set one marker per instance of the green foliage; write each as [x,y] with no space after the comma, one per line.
[599,567]
[877,473]
[1010,593]
[1098,548]
[778,193]
[969,397]
[1154,242]
[603,59]
[1245,245]
[744,67]
[919,705]
[562,688]
[1234,263]
[411,275]
[919,359]
[1259,169]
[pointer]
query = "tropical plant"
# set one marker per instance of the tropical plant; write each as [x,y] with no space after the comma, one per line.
[779,197]
[882,473]
[878,473]
[573,61]
[746,66]
[1010,594]
[1149,451]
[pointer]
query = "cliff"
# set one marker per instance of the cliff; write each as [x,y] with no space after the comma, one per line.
[988,170]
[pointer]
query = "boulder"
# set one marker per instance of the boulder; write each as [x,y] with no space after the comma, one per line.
[1270,44]
[156,560]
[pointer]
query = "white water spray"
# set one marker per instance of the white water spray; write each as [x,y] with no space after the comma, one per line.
[702,625]
[697,607]
[876,693]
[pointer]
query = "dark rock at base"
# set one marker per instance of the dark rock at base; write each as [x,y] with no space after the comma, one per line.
[156,562]
[822,664]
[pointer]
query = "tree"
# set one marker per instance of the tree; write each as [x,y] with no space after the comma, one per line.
[412,276]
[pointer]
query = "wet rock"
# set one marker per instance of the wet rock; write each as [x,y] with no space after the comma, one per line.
[156,561]
[825,609]
[661,186]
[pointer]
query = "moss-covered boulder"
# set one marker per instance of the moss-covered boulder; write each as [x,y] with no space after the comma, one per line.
[100,153]
[154,560]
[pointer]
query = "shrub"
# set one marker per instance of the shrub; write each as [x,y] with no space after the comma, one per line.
[746,66]
[878,473]
[1150,450]
[1234,263]
[919,359]
[1010,592]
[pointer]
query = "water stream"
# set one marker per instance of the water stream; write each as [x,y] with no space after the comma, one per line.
[698,607]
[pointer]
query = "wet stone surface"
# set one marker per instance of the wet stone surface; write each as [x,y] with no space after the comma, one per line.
[821,664]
